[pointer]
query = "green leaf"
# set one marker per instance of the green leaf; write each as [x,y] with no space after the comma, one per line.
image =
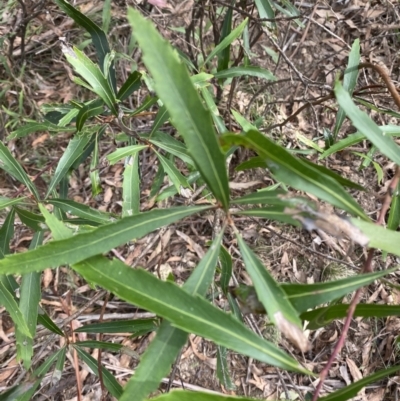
[251,71]
[379,237]
[189,313]
[227,41]
[8,301]
[6,234]
[109,380]
[172,146]
[90,109]
[45,320]
[32,127]
[341,180]
[94,164]
[295,172]
[83,211]
[164,349]
[161,117]
[305,296]
[274,197]
[223,373]
[99,38]
[28,304]
[99,345]
[225,260]
[353,139]
[185,395]
[322,316]
[94,77]
[349,82]
[366,125]
[32,220]
[121,153]
[58,229]
[265,10]
[40,372]
[280,311]
[224,57]
[98,241]
[131,187]
[6,202]
[131,85]
[173,173]
[175,89]
[351,390]
[124,326]
[10,165]
[106,15]
[74,150]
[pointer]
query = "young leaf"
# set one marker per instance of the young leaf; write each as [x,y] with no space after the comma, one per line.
[99,38]
[98,241]
[94,77]
[175,89]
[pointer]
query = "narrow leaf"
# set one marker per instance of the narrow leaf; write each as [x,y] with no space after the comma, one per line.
[98,241]
[366,125]
[169,340]
[322,316]
[131,187]
[251,71]
[227,41]
[280,311]
[175,89]
[187,312]
[121,153]
[351,390]
[131,85]
[10,165]
[109,380]
[349,82]
[74,150]
[99,38]
[305,296]
[295,172]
